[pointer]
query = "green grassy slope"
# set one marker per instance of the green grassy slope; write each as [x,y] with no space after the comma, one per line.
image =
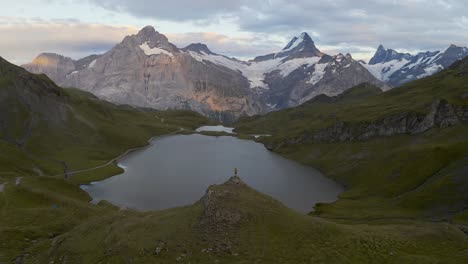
[46,219]
[44,130]
[236,224]
[401,176]
[44,127]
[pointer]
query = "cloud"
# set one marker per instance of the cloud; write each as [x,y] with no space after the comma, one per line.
[175,10]
[244,47]
[23,39]
[408,25]
[255,27]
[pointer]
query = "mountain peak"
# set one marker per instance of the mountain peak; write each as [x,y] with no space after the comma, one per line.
[301,45]
[148,33]
[199,48]
[297,40]
[148,30]
[453,48]
[383,55]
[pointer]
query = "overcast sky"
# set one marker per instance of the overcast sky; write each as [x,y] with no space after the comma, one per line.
[240,28]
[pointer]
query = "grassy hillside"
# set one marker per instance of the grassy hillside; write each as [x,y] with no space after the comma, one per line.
[383,218]
[47,129]
[411,176]
[235,224]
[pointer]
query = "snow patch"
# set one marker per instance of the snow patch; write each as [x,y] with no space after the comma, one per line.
[154,51]
[271,105]
[383,71]
[255,71]
[319,72]
[91,65]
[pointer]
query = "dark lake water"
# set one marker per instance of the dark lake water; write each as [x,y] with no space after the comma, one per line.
[177,170]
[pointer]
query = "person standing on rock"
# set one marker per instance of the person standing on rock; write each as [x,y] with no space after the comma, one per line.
[235,171]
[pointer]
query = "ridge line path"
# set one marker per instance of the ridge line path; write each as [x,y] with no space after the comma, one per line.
[71,173]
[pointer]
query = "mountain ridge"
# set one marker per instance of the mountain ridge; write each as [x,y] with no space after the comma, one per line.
[397,68]
[147,70]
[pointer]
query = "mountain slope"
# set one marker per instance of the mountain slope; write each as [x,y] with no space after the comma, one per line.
[49,130]
[50,219]
[403,153]
[398,68]
[147,70]
[233,223]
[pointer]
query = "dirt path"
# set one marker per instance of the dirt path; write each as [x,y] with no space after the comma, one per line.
[71,173]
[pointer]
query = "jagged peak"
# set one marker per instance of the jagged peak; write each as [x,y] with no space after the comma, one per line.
[383,55]
[304,37]
[454,47]
[149,34]
[300,46]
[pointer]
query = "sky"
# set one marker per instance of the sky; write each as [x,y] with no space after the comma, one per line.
[238,28]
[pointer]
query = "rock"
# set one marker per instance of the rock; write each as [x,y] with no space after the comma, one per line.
[441,115]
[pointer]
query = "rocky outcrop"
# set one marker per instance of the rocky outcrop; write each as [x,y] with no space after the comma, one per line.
[441,115]
[216,214]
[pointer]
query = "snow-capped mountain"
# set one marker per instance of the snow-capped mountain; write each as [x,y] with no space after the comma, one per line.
[397,68]
[147,70]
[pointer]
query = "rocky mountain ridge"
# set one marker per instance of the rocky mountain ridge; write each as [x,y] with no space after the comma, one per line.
[147,70]
[397,68]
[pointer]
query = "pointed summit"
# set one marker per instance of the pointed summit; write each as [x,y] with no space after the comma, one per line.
[148,33]
[383,55]
[452,54]
[303,39]
[300,46]
[381,48]
[149,38]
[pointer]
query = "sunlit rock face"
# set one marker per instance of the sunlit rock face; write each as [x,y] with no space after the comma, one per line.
[147,70]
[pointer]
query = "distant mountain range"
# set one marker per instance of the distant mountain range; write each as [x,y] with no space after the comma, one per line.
[147,70]
[397,68]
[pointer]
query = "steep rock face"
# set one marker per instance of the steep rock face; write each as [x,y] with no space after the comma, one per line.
[147,70]
[397,68]
[53,65]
